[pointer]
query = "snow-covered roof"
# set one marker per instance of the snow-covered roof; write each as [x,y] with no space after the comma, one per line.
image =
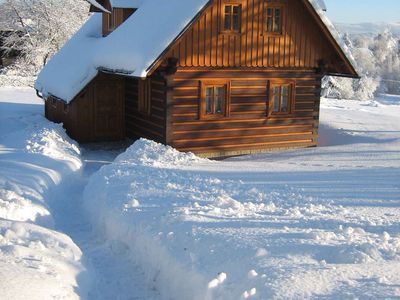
[321,4]
[128,50]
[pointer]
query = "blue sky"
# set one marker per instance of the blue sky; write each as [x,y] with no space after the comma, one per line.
[357,11]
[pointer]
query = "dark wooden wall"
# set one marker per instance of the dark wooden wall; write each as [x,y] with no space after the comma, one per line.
[96,114]
[248,128]
[301,45]
[139,124]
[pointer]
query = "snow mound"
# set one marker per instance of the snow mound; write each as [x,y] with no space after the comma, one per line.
[37,263]
[35,157]
[149,153]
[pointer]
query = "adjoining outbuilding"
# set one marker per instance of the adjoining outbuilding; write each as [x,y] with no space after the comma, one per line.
[215,77]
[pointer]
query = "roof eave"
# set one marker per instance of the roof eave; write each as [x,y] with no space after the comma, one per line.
[346,75]
[353,72]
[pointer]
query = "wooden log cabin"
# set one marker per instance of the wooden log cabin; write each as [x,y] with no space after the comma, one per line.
[215,77]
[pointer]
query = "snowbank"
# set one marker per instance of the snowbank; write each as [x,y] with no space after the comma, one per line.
[276,225]
[36,262]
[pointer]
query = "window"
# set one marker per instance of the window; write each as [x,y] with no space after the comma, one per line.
[214,99]
[144,94]
[281,98]
[273,18]
[232,16]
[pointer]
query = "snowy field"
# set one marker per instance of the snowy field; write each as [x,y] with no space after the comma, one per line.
[309,223]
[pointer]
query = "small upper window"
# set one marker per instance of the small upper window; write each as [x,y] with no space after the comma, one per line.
[273,19]
[281,95]
[232,15]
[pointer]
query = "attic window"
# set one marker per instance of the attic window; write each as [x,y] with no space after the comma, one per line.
[274,18]
[232,17]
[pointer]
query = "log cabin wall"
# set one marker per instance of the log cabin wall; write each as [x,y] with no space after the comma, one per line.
[301,45]
[95,114]
[249,62]
[151,123]
[248,128]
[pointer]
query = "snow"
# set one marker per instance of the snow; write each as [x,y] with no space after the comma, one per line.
[308,223]
[71,69]
[80,60]
[36,262]
[47,247]
[154,223]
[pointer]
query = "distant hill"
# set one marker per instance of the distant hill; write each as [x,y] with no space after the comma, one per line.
[368,28]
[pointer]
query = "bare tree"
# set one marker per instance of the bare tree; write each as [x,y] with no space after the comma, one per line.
[40,28]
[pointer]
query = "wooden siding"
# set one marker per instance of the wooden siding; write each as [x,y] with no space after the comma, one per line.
[95,114]
[301,45]
[248,126]
[116,18]
[139,124]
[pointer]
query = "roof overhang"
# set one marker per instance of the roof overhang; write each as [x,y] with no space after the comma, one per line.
[99,6]
[352,72]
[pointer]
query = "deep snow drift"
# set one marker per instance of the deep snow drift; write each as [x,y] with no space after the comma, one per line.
[322,222]
[36,262]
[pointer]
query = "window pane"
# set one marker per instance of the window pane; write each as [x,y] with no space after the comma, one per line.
[236,15]
[285,90]
[275,103]
[219,94]
[228,15]
[276,90]
[269,19]
[284,103]
[209,92]
[278,18]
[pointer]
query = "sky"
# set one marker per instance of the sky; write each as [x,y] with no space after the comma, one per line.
[359,11]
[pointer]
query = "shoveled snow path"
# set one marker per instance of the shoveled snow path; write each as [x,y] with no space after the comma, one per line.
[112,274]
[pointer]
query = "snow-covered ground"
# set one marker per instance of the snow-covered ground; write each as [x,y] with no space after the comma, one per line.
[47,247]
[308,223]
[36,262]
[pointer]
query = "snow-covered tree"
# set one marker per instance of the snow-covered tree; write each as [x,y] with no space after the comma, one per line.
[40,28]
[378,62]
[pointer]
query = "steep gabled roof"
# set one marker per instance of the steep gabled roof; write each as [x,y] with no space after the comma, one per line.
[137,45]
